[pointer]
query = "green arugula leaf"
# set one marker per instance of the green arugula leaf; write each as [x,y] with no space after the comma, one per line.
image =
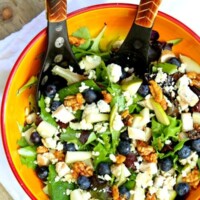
[82,32]
[175,41]
[69,135]
[30,83]
[44,114]
[22,142]
[57,189]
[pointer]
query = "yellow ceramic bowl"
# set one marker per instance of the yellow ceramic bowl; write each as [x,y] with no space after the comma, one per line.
[118,18]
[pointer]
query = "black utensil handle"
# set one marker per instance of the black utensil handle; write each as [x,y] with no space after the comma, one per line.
[56,10]
[147,12]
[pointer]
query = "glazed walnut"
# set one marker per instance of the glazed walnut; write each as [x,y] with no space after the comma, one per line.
[146,151]
[74,101]
[193,178]
[80,168]
[157,94]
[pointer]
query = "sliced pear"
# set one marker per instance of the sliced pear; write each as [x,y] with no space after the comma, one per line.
[196,117]
[132,86]
[172,194]
[190,64]
[113,114]
[137,119]
[160,113]
[74,156]
[136,134]
[97,117]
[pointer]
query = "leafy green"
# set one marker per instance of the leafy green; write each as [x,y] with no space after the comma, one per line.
[69,135]
[74,88]
[102,74]
[166,67]
[57,189]
[44,114]
[22,142]
[27,155]
[175,41]
[30,83]
[100,195]
[91,138]
[82,32]
[117,97]
[96,41]
[130,184]
[134,107]
[103,154]
[161,133]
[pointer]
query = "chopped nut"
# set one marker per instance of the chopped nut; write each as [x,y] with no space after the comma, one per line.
[31,118]
[193,178]
[74,101]
[59,155]
[146,151]
[42,149]
[115,192]
[157,94]
[127,118]
[80,168]
[195,79]
[151,196]
[76,41]
[120,159]
[107,97]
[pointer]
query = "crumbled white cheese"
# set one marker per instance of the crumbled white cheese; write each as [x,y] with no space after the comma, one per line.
[90,108]
[150,168]
[161,76]
[103,106]
[169,182]
[83,87]
[118,123]
[163,194]
[120,170]
[128,98]
[159,180]
[80,194]
[59,146]
[92,74]
[187,122]
[144,180]
[114,72]
[192,159]
[112,157]
[106,177]
[47,101]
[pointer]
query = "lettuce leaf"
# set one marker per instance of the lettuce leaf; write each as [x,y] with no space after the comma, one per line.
[27,155]
[161,133]
[57,189]
[44,114]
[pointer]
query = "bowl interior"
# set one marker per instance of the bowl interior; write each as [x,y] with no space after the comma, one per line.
[118,18]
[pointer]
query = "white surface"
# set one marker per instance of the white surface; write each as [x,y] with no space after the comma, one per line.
[10,48]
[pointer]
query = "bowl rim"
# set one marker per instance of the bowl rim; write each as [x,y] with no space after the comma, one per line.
[26,49]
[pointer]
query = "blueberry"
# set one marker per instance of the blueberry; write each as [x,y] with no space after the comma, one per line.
[69,147]
[103,168]
[50,90]
[182,189]
[124,136]
[154,35]
[124,147]
[174,61]
[166,164]
[124,192]
[83,182]
[90,96]
[184,152]
[143,90]
[42,172]
[196,145]
[55,105]
[154,53]
[35,138]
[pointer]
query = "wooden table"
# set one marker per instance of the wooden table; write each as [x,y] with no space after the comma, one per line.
[15,13]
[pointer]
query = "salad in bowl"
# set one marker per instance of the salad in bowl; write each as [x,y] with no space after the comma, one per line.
[107,133]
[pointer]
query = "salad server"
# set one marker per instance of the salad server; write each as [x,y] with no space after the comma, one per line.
[58,48]
[133,53]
